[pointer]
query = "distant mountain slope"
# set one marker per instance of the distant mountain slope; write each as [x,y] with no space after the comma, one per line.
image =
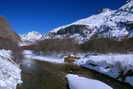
[31,36]
[117,24]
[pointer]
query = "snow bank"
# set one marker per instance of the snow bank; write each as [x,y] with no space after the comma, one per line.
[77,82]
[28,54]
[113,65]
[10,74]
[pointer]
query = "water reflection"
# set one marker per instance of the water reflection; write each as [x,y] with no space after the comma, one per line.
[29,64]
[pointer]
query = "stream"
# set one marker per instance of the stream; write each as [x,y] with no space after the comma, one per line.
[44,75]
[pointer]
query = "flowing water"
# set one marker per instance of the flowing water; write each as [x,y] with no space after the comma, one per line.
[44,75]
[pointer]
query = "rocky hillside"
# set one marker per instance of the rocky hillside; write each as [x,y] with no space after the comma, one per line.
[6,31]
[116,24]
[8,38]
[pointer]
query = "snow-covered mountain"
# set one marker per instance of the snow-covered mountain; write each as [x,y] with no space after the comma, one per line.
[108,24]
[31,36]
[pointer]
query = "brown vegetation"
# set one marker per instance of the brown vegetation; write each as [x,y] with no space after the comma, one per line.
[13,46]
[101,45]
[9,40]
[6,31]
[57,45]
[105,45]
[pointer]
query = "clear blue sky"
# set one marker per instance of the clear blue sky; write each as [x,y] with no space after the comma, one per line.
[44,15]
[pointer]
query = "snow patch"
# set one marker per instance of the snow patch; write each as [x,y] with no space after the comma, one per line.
[77,82]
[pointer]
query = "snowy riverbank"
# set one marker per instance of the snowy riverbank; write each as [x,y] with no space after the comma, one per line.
[10,74]
[118,66]
[54,59]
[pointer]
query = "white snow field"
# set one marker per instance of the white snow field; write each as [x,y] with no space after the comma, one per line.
[77,82]
[112,65]
[10,74]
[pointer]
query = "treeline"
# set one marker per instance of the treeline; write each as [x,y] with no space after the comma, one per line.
[57,45]
[102,45]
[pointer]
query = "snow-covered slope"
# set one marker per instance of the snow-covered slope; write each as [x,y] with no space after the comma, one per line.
[31,36]
[77,82]
[118,66]
[109,23]
[10,74]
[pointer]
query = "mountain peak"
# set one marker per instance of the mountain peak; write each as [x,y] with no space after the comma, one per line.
[128,6]
[130,1]
[104,10]
[105,24]
[33,33]
[31,36]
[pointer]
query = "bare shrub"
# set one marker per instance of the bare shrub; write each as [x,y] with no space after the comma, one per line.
[8,44]
[57,45]
[17,56]
[104,45]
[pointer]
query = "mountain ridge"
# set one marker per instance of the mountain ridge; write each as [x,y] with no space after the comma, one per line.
[114,24]
[108,24]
